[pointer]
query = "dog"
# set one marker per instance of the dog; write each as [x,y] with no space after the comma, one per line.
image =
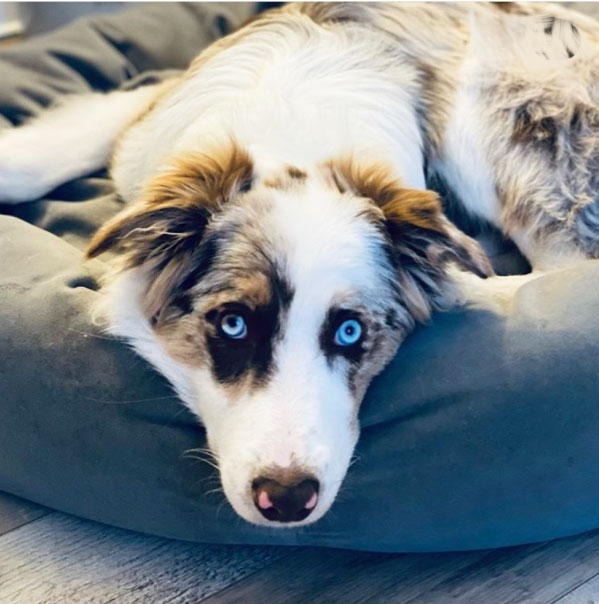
[280,241]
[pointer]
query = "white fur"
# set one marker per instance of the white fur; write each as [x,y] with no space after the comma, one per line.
[119,308]
[66,142]
[465,167]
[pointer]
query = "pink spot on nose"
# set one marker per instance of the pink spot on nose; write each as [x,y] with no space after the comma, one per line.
[264,502]
[312,501]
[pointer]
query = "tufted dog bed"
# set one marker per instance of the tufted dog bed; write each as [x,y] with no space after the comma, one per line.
[482,432]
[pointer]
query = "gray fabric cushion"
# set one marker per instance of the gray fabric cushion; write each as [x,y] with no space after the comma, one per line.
[481,432]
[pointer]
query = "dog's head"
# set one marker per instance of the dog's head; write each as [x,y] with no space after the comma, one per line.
[271,301]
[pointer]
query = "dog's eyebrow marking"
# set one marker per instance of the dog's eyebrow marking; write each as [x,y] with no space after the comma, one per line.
[296,173]
[289,177]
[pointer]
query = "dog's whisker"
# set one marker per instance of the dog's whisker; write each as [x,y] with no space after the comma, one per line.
[220,507]
[195,460]
[95,335]
[212,480]
[135,400]
[202,459]
[204,455]
[214,491]
[181,410]
[202,450]
[205,451]
[354,459]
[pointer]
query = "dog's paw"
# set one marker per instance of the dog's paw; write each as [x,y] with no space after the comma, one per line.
[25,168]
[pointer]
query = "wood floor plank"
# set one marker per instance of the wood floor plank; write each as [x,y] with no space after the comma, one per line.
[58,559]
[329,576]
[15,512]
[537,573]
[538,576]
[63,560]
[586,593]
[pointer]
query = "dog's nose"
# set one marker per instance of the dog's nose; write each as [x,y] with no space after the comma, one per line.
[285,503]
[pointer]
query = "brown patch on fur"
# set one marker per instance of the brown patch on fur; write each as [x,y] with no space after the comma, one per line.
[209,178]
[284,180]
[511,8]
[274,183]
[162,231]
[254,290]
[205,180]
[184,341]
[296,173]
[375,181]
[530,128]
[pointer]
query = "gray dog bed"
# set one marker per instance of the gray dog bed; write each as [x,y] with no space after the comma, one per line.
[482,432]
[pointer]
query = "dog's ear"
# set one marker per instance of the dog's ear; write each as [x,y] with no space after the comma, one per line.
[176,205]
[162,232]
[422,239]
[424,242]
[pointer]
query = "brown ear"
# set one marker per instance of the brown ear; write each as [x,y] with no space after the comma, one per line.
[163,231]
[183,196]
[422,238]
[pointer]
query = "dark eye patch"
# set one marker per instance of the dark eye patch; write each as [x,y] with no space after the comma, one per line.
[232,359]
[335,317]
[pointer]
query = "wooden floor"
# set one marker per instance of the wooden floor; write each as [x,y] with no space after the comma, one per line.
[50,558]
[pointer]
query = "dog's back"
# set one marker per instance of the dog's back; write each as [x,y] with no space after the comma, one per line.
[508,104]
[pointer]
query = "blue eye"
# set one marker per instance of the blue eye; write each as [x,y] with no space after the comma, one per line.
[234,326]
[348,333]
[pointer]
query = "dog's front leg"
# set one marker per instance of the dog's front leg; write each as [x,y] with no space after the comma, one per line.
[496,294]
